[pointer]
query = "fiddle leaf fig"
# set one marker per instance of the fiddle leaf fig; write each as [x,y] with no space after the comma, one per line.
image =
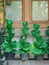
[9,46]
[25,28]
[40,43]
[47,40]
[24,45]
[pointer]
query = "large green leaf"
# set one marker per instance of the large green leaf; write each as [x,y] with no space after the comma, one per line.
[4,45]
[26,48]
[25,31]
[7,39]
[36,44]
[35,33]
[47,32]
[14,44]
[36,26]
[11,35]
[9,24]
[47,41]
[36,51]
[40,40]
[33,46]
[25,24]
[21,51]
[14,51]
[43,45]
[8,49]
[21,45]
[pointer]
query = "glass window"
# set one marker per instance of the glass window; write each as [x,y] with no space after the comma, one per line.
[39,10]
[14,11]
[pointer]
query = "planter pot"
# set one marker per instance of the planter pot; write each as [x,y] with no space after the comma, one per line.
[48,56]
[40,57]
[24,56]
[1,62]
[9,56]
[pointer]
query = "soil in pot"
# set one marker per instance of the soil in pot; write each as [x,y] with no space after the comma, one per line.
[9,56]
[24,56]
[40,57]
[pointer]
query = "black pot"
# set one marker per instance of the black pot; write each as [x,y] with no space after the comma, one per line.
[24,56]
[9,56]
[40,57]
[48,56]
[1,62]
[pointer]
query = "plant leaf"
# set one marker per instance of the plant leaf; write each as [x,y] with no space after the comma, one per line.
[36,51]
[21,51]
[14,44]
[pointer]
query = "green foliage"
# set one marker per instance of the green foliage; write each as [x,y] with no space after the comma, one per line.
[8,45]
[24,45]
[47,41]
[39,45]
[47,31]
[25,29]
[36,32]
[2,33]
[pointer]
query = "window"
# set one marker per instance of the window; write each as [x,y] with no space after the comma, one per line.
[33,11]
[39,10]
[14,11]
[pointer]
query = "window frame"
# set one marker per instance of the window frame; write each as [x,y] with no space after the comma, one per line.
[43,23]
[16,24]
[27,15]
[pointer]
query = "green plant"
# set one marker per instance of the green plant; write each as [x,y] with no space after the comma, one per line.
[2,33]
[39,45]
[8,45]
[47,41]
[23,43]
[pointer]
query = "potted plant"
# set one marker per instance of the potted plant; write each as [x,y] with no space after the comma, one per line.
[47,41]
[2,32]
[39,45]
[8,45]
[24,45]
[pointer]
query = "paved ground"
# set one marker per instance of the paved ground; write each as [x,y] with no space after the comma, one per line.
[29,62]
